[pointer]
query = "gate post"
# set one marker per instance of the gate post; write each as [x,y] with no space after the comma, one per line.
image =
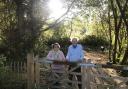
[30,71]
[83,77]
[37,72]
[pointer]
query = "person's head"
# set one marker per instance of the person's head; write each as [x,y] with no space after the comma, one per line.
[74,40]
[56,46]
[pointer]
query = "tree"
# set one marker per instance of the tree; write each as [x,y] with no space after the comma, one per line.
[21,26]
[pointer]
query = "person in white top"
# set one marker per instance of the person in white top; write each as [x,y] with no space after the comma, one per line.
[75,54]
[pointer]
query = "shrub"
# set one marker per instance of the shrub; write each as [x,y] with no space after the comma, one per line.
[94,41]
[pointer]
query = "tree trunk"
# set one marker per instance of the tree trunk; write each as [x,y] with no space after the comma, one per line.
[116,31]
[110,35]
[125,58]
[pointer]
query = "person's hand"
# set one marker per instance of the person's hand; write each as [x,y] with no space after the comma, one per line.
[67,61]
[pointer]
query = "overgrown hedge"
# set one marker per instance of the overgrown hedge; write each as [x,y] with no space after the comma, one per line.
[93,41]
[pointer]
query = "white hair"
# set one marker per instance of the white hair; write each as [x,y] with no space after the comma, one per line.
[74,38]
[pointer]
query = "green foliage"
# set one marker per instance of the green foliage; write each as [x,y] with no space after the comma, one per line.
[93,41]
[21,22]
[41,48]
[93,3]
[19,28]
[2,59]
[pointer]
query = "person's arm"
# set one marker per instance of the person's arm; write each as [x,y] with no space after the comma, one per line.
[49,56]
[62,56]
[81,53]
[68,54]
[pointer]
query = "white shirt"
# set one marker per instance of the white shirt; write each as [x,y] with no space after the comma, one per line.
[75,54]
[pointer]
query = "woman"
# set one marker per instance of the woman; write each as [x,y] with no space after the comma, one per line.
[56,54]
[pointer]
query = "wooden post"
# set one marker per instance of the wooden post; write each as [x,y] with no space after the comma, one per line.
[83,77]
[37,72]
[30,71]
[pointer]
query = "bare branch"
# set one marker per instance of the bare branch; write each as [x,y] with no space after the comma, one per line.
[56,22]
[122,11]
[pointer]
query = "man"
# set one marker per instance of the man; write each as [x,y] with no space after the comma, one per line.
[75,54]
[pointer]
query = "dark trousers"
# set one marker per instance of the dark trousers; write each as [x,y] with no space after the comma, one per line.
[78,70]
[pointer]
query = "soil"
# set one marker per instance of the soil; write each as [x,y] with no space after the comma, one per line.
[102,58]
[96,56]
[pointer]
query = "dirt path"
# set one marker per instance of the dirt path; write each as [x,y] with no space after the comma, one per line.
[99,57]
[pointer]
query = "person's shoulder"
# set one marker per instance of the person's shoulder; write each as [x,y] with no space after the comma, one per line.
[60,51]
[70,46]
[79,45]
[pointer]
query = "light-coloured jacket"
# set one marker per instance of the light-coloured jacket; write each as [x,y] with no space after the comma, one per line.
[75,54]
[59,55]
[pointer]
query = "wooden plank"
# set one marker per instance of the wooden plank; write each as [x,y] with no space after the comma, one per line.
[37,73]
[74,68]
[83,77]
[108,65]
[89,76]
[18,69]
[74,73]
[92,79]
[30,71]
[113,66]
[73,81]
[100,72]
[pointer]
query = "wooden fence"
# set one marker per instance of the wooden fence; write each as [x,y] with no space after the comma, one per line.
[37,74]
[14,75]
[33,72]
[93,77]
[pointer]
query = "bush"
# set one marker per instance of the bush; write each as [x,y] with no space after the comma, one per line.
[95,42]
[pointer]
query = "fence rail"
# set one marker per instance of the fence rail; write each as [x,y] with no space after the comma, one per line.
[14,75]
[93,76]
[112,66]
[16,66]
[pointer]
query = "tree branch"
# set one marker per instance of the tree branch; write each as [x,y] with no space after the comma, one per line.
[122,11]
[56,22]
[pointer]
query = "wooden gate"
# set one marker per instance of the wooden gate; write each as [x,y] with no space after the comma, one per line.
[93,76]
[50,79]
